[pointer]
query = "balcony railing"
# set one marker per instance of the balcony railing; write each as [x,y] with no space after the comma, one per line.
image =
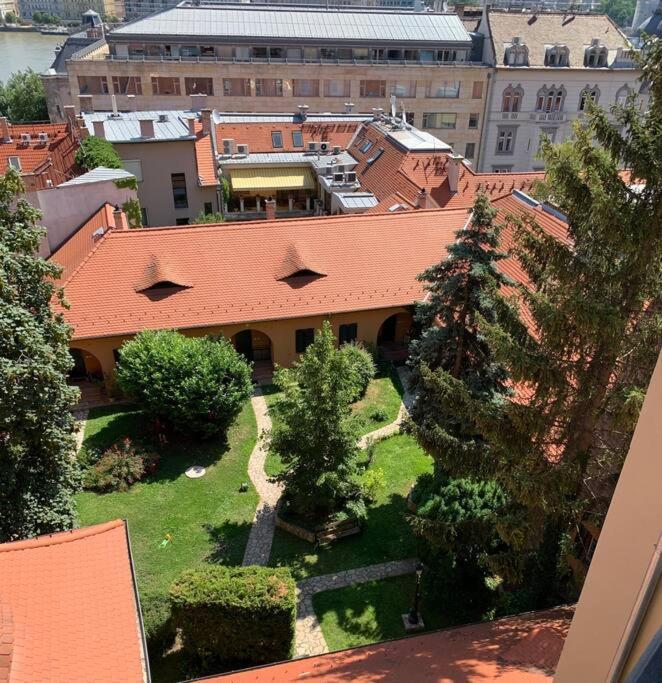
[558,116]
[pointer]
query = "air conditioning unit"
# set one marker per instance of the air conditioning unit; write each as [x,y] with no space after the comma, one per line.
[350,177]
[339,168]
[43,137]
[330,169]
[242,149]
[228,146]
[313,146]
[25,138]
[338,177]
[324,146]
[163,118]
[336,149]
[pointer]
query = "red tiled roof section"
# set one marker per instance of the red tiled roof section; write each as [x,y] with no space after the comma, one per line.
[53,160]
[258,135]
[519,649]
[370,262]
[68,609]
[204,157]
[72,252]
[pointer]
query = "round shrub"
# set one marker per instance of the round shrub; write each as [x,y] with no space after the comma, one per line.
[361,368]
[196,384]
[120,466]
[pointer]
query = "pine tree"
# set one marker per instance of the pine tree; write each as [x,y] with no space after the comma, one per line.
[315,436]
[459,289]
[594,300]
[38,469]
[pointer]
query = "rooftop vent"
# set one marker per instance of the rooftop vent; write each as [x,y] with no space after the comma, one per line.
[517,40]
[336,149]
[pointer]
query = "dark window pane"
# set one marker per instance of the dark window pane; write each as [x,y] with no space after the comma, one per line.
[179,190]
[304,338]
[347,333]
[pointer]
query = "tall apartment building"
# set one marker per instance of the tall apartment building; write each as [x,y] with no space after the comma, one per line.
[252,58]
[547,66]
[71,10]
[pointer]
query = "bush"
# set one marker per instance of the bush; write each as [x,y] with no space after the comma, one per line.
[94,152]
[379,415]
[196,384]
[361,368]
[157,622]
[120,466]
[235,614]
[372,482]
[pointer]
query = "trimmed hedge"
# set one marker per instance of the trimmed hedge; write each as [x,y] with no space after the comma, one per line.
[235,614]
[362,368]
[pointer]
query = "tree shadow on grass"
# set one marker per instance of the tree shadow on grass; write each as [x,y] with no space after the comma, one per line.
[228,542]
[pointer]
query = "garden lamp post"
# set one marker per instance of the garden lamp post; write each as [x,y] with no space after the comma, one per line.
[413,617]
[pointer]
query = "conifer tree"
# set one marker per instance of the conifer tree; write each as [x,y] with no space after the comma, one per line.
[38,471]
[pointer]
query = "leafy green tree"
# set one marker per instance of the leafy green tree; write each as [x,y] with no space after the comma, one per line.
[621,11]
[594,301]
[94,152]
[362,368]
[11,18]
[198,385]
[37,469]
[22,97]
[315,436]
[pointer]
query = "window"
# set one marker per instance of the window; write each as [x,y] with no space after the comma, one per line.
[557,55]
[548,133]
[550,99]
[512,99]
[477,90]
[207,51]
[365,146]
[297,138]
[178,181]
[470,150]
[517,54]
[303,339]
[93,85]
[260,52]
[134,166]
[143,215]
[336,88]
[404,89]
[276,139]
[588,93]
[622,95]
[447,55]
[595,55]
[127,85]
[373,88]
[189,51]
[473,120]
[165,86]
[444,89]
[181,221]
[502,169]
[305,87]
[268,87]
[347,333]
[439,120]
[199,86]
[276,53]
[209,208]
[505,140]
[375,156]
[237,87]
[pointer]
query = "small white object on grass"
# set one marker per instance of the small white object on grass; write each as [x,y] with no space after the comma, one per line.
[195,472]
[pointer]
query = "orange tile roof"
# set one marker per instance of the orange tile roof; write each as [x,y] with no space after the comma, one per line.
[405,173]
[230,271]
[519,649]
[204,157]
[258,135]
[54,160]
[68,610]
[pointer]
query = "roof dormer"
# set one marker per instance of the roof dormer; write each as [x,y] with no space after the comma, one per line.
[298,264]
[557,55]
[516,53]
[161,276]
[596,54]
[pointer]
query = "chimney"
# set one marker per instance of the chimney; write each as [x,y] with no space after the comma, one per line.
[85,102]
[5,135]
[205,118]
[120,219]
[424,200]
[191,126]
[82,128]
[198,102]
[99,130]
[133,105]
[70,114]
[270,208]
[302,111]
[453,166]
[146,128]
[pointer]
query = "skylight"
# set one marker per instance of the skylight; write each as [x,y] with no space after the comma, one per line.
[297,138]
[276,139]
[366,146]
[376,156]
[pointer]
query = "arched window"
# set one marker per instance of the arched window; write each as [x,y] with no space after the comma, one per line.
[557,55]
[550,99]
[595,55]
[586,95]
[517,54]
[512,99]
[622,95]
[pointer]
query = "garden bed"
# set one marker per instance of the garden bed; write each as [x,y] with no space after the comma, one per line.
[322,534]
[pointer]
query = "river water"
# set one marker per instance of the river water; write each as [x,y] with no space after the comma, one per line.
[23,50]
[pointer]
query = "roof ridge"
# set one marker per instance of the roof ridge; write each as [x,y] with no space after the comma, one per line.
[61,537]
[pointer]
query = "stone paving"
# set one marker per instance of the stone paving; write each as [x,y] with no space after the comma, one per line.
[309,636]
[80,415]
[258,547]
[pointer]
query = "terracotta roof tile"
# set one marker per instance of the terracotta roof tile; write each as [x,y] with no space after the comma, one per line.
[68,609]
[519,649]
[204,157]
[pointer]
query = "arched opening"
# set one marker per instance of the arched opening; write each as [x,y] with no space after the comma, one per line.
[255,346]
[394,335]
[86,366]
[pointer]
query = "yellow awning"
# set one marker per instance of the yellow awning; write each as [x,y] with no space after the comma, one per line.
[292,178]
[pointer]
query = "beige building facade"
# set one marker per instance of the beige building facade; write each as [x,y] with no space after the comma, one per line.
[7,6]
[71,10]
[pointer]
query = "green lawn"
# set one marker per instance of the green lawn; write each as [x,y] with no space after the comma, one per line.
[384,393]
[386,534]
[369,612]
[208,518]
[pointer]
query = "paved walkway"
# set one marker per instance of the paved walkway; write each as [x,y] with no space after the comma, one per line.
[80,415]
[258,547]
[309,636]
